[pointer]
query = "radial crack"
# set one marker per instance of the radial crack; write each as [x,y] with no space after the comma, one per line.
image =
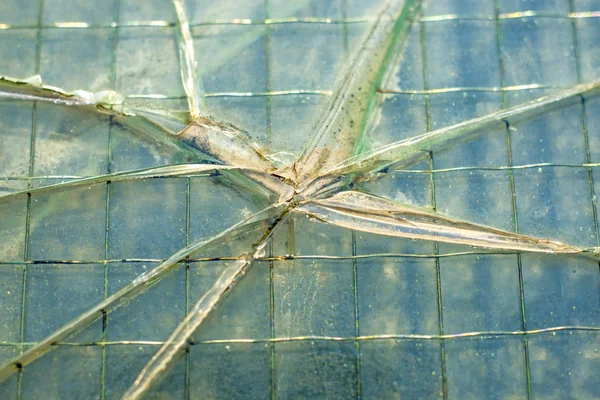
[138,286]
[192,84]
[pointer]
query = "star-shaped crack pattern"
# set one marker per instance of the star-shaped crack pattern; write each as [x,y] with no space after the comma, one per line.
[323,182]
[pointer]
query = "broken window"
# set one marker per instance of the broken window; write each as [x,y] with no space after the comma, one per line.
[293,199]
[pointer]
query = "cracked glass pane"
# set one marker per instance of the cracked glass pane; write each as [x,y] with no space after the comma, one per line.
[299,199]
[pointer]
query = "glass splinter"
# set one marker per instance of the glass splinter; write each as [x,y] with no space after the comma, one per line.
[138,286]
[338,134]
[192,85]
[368,213]
[171,350]
[224,143]
[105,102]
[165,358]
[146,173]
[405,152]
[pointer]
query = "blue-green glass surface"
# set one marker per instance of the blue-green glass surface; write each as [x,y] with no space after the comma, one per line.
[352,314]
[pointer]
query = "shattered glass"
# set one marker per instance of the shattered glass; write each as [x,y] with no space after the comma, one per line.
[299,199]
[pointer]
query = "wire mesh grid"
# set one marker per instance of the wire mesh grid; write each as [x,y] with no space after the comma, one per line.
[352,355]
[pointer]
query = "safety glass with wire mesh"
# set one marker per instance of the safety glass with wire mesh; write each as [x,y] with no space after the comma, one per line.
[299,199]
